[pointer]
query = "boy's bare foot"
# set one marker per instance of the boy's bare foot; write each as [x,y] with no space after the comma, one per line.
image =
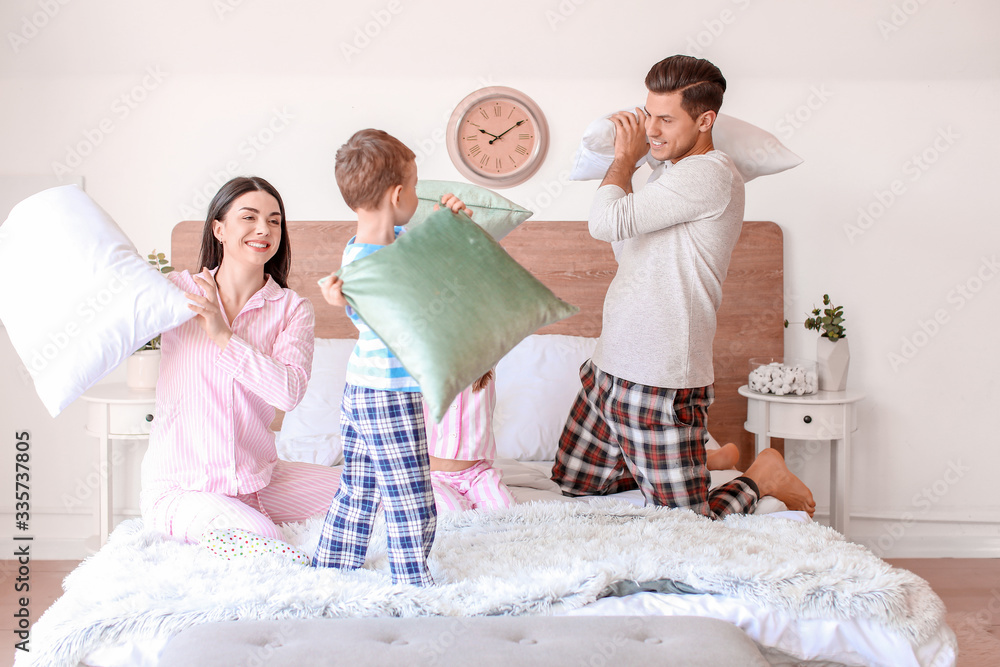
[723,458]
[773,478]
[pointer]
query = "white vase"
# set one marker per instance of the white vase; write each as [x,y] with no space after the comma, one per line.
[142,369]
[832,361]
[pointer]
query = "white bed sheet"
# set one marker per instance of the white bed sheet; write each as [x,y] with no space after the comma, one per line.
[785,641]
[788,641]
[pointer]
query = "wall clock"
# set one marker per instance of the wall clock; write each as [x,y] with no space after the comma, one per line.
[497,137]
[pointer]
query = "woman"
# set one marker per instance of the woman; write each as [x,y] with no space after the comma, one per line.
[212,463]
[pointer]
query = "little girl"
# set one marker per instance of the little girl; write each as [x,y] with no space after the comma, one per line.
[462,449]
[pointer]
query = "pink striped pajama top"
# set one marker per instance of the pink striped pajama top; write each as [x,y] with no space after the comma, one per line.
[465,433]
[214,407]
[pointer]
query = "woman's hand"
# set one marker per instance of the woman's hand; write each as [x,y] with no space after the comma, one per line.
[332,286]
[454,203]
[208,310]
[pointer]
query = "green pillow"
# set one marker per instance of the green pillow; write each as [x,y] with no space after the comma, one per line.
[449,302]
[494,213]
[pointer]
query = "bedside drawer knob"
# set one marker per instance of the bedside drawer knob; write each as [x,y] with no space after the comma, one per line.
[149,418]
[807,419]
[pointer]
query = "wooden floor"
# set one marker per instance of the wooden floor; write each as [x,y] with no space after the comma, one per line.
[968,586]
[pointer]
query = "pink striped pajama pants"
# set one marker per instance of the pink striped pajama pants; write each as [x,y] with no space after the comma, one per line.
[478,487]
[296,492]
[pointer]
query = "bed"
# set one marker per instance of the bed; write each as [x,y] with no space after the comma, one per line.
[797,589]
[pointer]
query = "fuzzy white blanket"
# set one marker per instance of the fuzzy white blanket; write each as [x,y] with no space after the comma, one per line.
[534,558]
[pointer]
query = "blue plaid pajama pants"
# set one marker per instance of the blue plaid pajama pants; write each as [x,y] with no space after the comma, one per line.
[622,435]
[385,459]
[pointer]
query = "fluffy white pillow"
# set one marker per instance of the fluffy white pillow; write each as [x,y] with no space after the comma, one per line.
[78,298]
[311,432]
[537,382]
[756,152]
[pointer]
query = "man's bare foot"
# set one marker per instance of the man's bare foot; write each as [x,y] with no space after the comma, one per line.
[723,458]
[773,478]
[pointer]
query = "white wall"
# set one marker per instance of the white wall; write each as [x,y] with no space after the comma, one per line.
[166,100]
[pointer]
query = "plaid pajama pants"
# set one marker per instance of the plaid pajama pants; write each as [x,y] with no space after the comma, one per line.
[385,459]
[621,435]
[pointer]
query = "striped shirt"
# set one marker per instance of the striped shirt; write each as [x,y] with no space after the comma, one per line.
[214,407]
[372,365]
[465,433]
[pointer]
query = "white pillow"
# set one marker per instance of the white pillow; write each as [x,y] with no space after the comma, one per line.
[756,152]
[537,382]
[311,432]
[78,298]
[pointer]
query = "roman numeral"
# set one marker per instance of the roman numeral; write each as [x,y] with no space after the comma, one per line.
[497,110]
[524,136]
[472,137]
[475,150]
[521,149]
[483,111]
[512,161]
[499,164]
[512,112]
[484,161]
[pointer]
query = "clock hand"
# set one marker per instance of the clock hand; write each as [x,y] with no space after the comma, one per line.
[506,131]
[489,133]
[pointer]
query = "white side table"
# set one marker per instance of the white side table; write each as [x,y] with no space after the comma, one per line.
[825,415]
[116,412]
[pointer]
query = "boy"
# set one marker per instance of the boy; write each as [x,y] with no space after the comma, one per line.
[382,423]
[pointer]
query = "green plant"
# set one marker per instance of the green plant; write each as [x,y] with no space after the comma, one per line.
[160,262]
[829,320]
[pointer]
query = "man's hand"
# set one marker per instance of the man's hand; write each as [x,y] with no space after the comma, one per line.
[331,287]
[630,135]
[630,146]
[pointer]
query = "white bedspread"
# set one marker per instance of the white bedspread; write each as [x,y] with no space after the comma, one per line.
[536,558]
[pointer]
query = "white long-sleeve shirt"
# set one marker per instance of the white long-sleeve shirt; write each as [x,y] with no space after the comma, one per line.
[676,237]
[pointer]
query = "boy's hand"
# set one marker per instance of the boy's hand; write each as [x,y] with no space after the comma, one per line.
[331,288]
[454,203]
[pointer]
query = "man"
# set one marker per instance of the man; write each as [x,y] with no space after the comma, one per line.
[640,419]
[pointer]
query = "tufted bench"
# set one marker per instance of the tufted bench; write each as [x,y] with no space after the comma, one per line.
[585,641]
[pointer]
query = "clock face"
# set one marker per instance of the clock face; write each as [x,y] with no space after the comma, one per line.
[497,137]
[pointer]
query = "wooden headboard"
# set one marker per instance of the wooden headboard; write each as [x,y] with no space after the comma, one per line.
[578,269]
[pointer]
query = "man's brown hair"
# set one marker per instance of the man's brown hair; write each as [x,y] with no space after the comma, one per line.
[699,82]
[371,162]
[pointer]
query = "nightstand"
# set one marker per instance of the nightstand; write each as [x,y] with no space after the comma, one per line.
[116,412]
[825,415]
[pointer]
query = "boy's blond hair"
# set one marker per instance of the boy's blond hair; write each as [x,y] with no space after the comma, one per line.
[371,162]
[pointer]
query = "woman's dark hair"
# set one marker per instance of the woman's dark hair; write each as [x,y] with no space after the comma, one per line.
[211,248]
